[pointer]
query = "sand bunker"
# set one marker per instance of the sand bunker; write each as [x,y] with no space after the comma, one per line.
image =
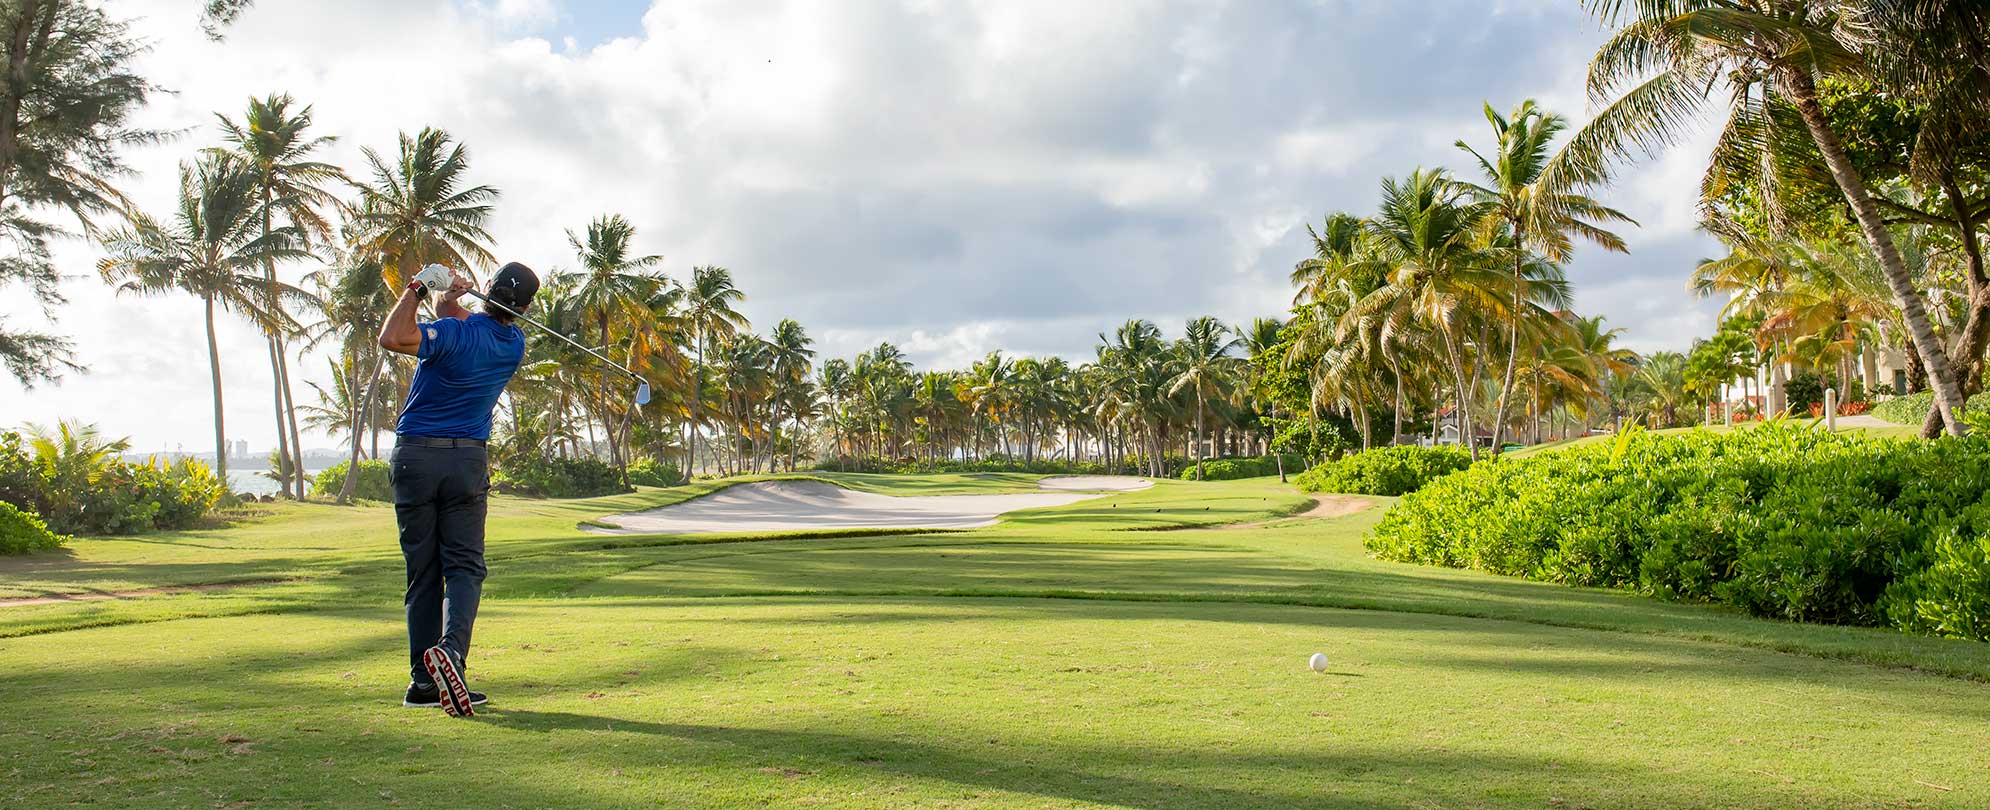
[788,506]
[1095,483]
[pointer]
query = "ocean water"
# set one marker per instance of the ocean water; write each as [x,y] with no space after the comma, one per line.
[255,483]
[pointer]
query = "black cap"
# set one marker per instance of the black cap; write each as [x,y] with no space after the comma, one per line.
[514,286]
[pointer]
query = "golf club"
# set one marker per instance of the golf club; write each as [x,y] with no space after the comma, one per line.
[436,279]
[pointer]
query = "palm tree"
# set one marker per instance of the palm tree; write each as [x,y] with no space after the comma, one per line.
[1610,363]
[838,384]
[709,314]
[414,212]
[1537,217]
[1260,343]
[289,185]
[793,361]
[1665,64]
[1206,367]
[613,286]
[353,299]
[417,210]
[215,249]
[1439,278]
[1661,381]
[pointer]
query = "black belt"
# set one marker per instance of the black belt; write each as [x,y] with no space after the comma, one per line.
[433,441]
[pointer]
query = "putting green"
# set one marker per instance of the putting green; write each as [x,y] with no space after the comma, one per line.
[1055,660]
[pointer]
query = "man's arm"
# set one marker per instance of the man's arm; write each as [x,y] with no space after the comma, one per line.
[399,333]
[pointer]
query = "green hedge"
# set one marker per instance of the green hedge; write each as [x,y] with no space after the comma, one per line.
[1780,520]
[1136,465]
[557,477]
[22,532]
[647,473]
[1230,469]
[1912,408]
[372,484]
[1385,470]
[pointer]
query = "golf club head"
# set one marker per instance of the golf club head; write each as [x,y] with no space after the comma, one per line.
[643,393]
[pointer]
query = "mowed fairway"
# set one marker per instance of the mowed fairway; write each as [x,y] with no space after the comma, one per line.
[1091,655]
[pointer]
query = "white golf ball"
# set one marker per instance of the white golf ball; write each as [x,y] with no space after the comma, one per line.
[1318,662]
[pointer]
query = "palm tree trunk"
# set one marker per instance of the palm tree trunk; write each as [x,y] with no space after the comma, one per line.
[697,403]
[214,366]
[365,408]
[290,413]
[1948,395]
[1466,434]
[1200,437]
[1396,426]
[1513,342]
[283,462]
[1975,336]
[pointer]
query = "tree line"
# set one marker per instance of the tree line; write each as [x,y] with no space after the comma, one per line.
[1848,185]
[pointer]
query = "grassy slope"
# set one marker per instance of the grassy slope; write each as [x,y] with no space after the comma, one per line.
[886,671]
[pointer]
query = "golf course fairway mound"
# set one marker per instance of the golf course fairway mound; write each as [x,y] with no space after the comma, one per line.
[786,506]
[1095,483]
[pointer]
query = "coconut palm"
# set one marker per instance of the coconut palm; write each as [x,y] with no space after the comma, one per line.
[709,315]
[793,361]
[1660,382]
[1537,217]
[420,210]
[613,287]
[1206,367]
[1667,61]
[213,248]
[290,186]
[837,383]
[1439,278]
[1610,364]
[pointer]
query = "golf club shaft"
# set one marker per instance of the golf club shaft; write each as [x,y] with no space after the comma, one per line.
[555,333]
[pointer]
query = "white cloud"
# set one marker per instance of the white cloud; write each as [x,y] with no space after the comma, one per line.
[953,177]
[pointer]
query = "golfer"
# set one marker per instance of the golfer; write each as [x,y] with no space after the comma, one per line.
[440,470]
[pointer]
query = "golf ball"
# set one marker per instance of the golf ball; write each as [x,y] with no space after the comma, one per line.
[1318,662]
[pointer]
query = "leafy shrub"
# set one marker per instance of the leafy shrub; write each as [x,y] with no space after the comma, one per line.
[1386,470]
[374,482]
[1132,465]
[648,473]
[22,531]
[1779,520]
[94,492]
[557,477]
[1228,469]
[1912,408]
[1805,390]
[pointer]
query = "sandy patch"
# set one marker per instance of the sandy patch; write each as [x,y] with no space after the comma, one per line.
[785,506]
[1095,483]
[1333,506]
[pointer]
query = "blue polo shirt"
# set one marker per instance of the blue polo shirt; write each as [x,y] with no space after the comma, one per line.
[465,365]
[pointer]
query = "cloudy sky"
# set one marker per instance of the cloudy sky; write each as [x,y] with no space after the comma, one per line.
[952,176]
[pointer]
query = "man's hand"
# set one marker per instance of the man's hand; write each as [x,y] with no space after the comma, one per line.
[447,306]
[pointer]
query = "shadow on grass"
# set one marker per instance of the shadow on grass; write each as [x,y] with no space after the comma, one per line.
[1127,775]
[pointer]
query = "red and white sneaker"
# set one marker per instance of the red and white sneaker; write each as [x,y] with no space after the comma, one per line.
[452,693]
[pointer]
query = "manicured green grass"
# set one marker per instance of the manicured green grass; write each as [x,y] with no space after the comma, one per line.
[1093,655]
